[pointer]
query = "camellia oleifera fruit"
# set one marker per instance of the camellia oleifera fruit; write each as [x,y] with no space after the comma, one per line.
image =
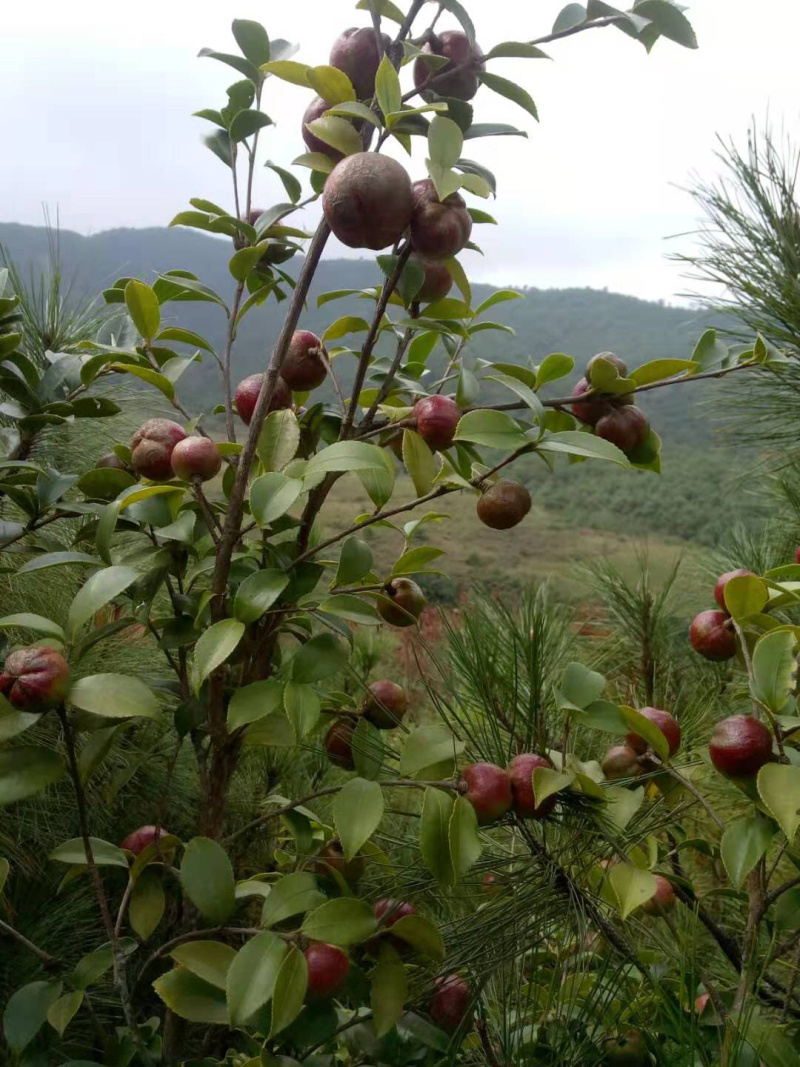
[439,228]
[407,602]
[35,679]
[665,723]
[488,789]
[459,78]
[151,448]
[438,281]
[338,744]
[437,418]
[332,858]
[523,801]
[328,968]
[368,201]
[592,410]
[385,704]
[112,461]
[450,1003]
[722,581]
[315,110]
[713,636]
[663,900]
[304,368]
[196,457]
[625,427]
[621,761]
[740,746]
[247,392]
[627,1050]
[138,840]
[504,504]
[355,53]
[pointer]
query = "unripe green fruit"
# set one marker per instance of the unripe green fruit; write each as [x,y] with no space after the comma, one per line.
[304,368]
[439,228]
[488,789]
[196,457]
[35,679]
[355,53]
[368,201]
[462,84]
[385,704]
[407,599]
[151,448]
[247,391]
[712,635]
[504,504]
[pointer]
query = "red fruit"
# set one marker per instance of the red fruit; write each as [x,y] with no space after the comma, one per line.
[628,1050]
[332,858]
[621,761]
[437,418]
[520,770]
[247,391]
[387,912]
[327,969]
[355,53]
[488,789]
[504,504]
[34,679]
[439,228]
[797,554]
[663,902]
[112,460]
[385,704]
[462,84]
[722,581]
[196,457]
[712,637]
[625,427]
[438,281]
[304,368]
[740,746]
[450,1004]
[491,884]
[609,357]
[408,600]
[138,840]
[368,201]
[666,724]
[151,448]
[338,744]
[588,411]
[315,110]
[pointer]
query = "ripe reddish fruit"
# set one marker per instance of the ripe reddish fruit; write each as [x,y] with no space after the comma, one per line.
[338,744]
[196,457]
[437,418]
[797,554]
[387,911]
[439,228]
[450,1004]
[304,368]
[625,427]
[247,391]
[504,504]
[138,840]
[621,762]
[462,83]
[609,357]
[438,281]
[520,770]
[712,637]
[385,704]
[327,969]
[316,109]
[112,460]
[663,902]
[332,858]
[367,201]
[588,411]
[408,600]
[492,885]
[355,53]
[627,1050]
[488,789]
[740,746]
[666,724]
[34,679]
[151,448]
[722,581]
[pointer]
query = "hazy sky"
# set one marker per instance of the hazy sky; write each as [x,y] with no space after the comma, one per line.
[98,99]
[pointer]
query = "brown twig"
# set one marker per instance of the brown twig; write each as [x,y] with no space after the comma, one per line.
[45,957]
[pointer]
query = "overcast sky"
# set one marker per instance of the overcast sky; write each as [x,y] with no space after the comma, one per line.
[98,99]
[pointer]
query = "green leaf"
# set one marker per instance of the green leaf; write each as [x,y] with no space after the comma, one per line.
[556,365]
[511,91]
[368,750]
[419,462]
[302,708]
[290,990]
[96,592]
[745,595]
[577,443]
[187,337]
[246,123]
[631,886]
[500,296]
[427,746]
[345,456]
[278,440]
[659,369]
[456,9]
[294,189]
[464,840]
[148,903]
[494,429]
[387,87]
[709,352]
[445,141]
[516,50]
[647,730]
[355,562]
[344,921]
[546,782]
[26,1013]
[347,324]
[774,668]
[294,894]
[340,134]
[90,968]
[352,608]
[332,85]
[142,304]
[319,658]
[779,788]
[253,40]
[115,696]
[421,934]
[437,810]
[191,998]
[25,771]
[357,814]
[209,960]
[316,161]
[389,991]
[242,262]
[217,643]
[257,593]
[622,804]
[207,879]
[14,722]
[523,391]
[580,686]
[667,21]
[62,1011]
[105,854]
[253,702]
[416,560]
[743,844]
[272,495]
[27,621]
[288,70]
[379,484]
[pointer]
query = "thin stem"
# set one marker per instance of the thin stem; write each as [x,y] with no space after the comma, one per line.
[230,337]
[45,957]
[386,384]
[691,788]
[323,355]
[123,907]
[32,529]
[212,522]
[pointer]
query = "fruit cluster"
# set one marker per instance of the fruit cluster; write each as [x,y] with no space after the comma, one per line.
[384,705]
[493,791]
[712,633]
[613,415]
[633,758]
